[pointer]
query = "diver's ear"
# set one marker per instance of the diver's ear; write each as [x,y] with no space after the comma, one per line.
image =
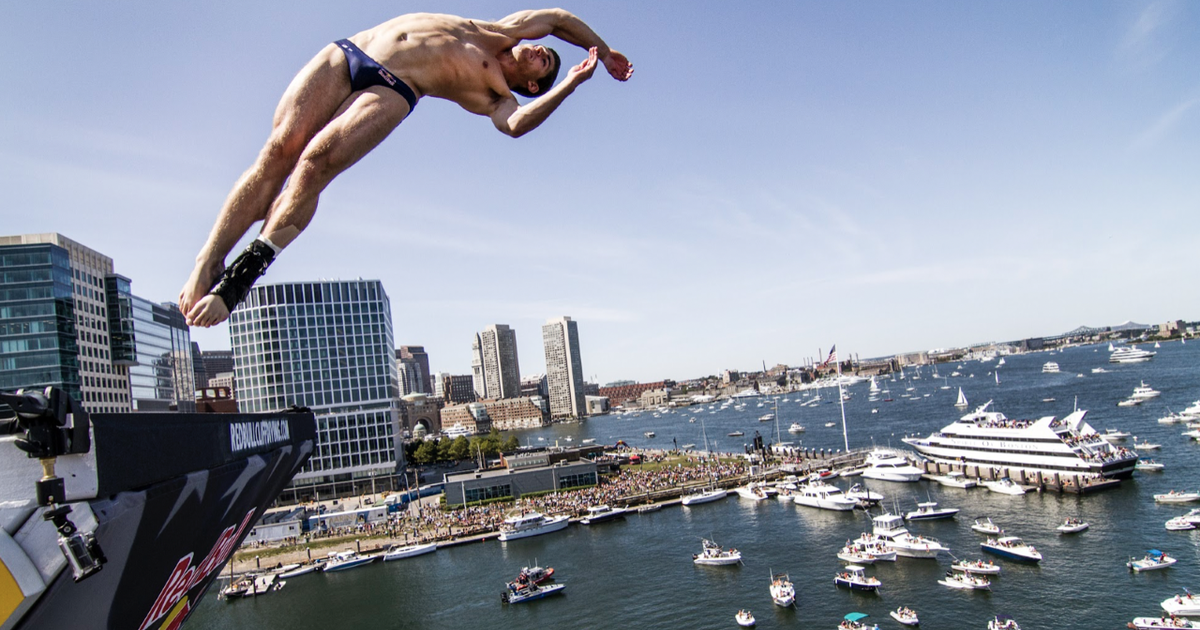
[532,86]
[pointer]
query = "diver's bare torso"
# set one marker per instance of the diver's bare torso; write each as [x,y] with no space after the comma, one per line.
[444,56]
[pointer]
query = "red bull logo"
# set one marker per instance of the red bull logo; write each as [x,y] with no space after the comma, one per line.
[173,598]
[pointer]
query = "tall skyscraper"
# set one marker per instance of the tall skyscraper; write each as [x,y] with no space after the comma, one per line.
[494,363]
[327,346]
[564,369]
[414,370]
[64,321]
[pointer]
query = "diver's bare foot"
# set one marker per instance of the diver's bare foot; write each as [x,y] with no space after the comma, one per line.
[209,311]
[198,285]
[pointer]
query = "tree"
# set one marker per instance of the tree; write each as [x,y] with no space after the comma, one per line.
[443,450]
[460,449]
[426,453]
[511,444]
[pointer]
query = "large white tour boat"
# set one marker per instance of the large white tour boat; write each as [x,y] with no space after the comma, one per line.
[1130,354]
[531,524]
[988,439]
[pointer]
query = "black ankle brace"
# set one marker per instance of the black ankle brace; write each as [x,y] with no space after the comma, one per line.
[240,275]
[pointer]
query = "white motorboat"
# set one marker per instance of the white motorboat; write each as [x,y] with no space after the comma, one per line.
[713,555]
[906,616]
[1099,370]
[1130,354]
[888,466]
[704,496]
[1004,486]
[343,560]
[1011,547]
[853,555]
[783,593]
[1149,465]
[531,524]
[755,491]
[1163,622]
[1152,561]
[517,593]
[1187,605]
[299,569]
[744,619]
[875,548]
[890,528]
[1050,367]
[649,507]
[1003,622]
[855,577]
[796,428]
[1177,497]
[736,433]
[397,552]
[954,480]
[965,580]
[862,495]
[823,496]
[1049,445]
[1114,435]
[1145,446]
[830,424]
[1072,526]
[766,417]
[929,511]
[1180,524]
[986,526]
[601,513]
[980,567]
[649,434]
[1145,392]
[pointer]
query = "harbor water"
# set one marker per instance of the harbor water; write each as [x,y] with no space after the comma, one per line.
[638,572]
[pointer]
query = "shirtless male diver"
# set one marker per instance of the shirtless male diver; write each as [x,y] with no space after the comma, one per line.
[346,100]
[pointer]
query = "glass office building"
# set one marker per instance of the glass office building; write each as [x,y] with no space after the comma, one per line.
[327,346]
[38,346]
[161,377]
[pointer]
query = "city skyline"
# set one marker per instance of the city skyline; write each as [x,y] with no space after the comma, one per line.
[888,178]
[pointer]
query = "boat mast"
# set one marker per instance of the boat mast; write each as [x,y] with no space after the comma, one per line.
[842,403]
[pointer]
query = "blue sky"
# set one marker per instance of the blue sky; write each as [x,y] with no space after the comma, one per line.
[775,178]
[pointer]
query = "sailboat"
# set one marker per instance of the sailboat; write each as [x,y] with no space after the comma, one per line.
[874,386]
[962,400]
[997,373]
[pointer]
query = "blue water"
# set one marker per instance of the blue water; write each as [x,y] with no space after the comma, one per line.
[638,572]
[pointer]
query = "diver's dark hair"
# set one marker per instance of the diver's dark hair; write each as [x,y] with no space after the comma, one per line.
[546,82]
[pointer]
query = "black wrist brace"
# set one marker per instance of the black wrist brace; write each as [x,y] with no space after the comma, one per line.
[240,275]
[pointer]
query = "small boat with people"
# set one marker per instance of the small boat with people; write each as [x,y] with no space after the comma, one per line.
[1186,605]
[853,555]
[516,594]
[783,593]
[1180,524]
[890,529]
[1144,445]
[1072,526]
[602,513]
[713,554]
[252,585]
[1152,561]
[744,619]
[1003,622]
[906,616]
[1162,622]
[929,511]
[862,495]
[398,552]
[979,567]
[1145,392]
[872,546]
[755,491]
[1013,548]
[1149,465]
[984,525]
[965,580]
[854,621]
[1004,485]
[855,578]
[1177,497]
[535,574]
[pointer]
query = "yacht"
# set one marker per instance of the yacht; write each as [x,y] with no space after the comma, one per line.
[888,466]
[1130,354]
[1050,368]
[1047,445]
[824,496]
[929,511]
[398,552]
[704,496]
[867,549]
[890,528]
[1004,486]
[1012,548]
[342,560]
[796,428]
[602,513]
[1145,392]
[782,591]
[714,555]
[531,524]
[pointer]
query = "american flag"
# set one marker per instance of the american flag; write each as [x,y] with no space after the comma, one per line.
[832,356]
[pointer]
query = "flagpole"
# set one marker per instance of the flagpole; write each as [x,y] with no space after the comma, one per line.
[842,402]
